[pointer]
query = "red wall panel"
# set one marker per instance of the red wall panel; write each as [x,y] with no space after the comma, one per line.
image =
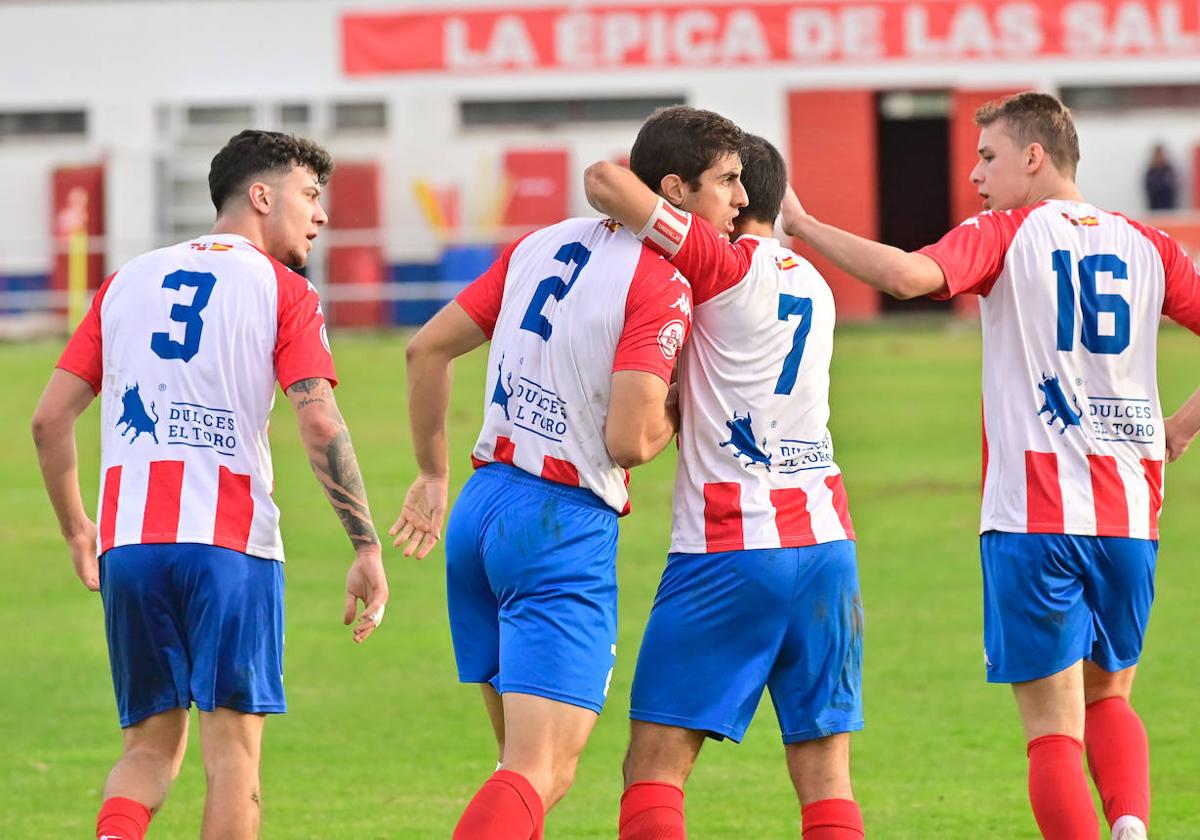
[353,208]
[538,188]
[77,201]
[833,165]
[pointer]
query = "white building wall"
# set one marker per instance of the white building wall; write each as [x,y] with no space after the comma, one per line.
[126,61]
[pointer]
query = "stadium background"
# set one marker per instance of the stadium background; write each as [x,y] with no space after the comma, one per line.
[455,129]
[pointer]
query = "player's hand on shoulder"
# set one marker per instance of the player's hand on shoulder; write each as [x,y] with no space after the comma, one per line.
[792,213]
[82,546]
[419,526]
[366,581]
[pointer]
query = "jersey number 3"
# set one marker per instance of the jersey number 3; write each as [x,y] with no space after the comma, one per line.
[554,287]
[162,343]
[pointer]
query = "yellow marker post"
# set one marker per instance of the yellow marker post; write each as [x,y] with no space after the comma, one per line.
[77,276]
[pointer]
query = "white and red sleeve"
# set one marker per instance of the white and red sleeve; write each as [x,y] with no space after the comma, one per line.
[658,318]
[481,300]
[709,261]
[971,256]
[84,353]
[301,343]
[1181,300]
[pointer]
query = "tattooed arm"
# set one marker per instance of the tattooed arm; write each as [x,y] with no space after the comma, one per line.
[327,442]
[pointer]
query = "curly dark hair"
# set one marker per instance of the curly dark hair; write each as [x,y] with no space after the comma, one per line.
[683,141]
[1033,117]
[252,153]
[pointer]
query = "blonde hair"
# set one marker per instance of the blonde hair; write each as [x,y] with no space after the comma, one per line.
[1032,117]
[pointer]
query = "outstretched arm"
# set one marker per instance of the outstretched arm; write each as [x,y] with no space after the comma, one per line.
[65,398]
[1182,427]
[331,454]
[899,273]
[618,193]
[430,355]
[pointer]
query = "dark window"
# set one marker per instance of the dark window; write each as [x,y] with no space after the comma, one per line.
[42,123]
[555,111]
[359,116]
[205,116]
[1131,97]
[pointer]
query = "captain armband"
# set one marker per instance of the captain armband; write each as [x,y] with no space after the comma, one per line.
[666,229]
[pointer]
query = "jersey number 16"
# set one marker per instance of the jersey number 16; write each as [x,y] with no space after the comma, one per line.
[1092,304]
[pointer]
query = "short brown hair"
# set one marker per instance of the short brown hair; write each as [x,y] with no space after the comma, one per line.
[1040,118]
[252,153]
[684,141]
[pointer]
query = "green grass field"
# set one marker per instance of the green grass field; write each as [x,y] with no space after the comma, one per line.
[381,742]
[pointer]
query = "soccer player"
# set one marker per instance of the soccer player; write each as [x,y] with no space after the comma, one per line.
[185,345]
[585,324]
[761,586]
[1073,443]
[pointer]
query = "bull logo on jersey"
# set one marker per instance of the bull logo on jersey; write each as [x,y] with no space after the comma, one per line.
[134,415]
[501,395]
[741,438]
[1056,403]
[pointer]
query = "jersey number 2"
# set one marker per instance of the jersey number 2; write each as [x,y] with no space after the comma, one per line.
[554,287]
[162,343]
[790,305]
[1092,304]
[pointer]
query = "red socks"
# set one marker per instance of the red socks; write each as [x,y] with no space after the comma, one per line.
[1119,758]
[832,819]
[122,819]
[1058,789]
[652,811]
[505,808]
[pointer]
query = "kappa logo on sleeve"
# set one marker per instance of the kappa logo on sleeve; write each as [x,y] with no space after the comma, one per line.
[670,338]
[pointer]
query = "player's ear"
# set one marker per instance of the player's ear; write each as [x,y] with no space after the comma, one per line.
[672,188]
[259,195]
[1034,155]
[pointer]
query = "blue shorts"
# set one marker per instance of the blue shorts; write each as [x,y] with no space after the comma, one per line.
[1050,600]
[192,623]
[726,625]
[531,585]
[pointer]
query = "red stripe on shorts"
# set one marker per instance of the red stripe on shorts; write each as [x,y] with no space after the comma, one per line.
[1153,470]
[160,522]
[1108,497]
[723,516]
[235,510]
[792,519]
[108,508]
[1043,495]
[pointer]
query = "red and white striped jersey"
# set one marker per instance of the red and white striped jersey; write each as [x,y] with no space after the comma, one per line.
[566,307]
[185,344]
[1071,298]
[756,466]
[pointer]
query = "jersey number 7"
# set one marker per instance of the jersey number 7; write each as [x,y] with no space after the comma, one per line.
[790,305]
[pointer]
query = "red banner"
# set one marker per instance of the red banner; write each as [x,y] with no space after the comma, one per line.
[725,34]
